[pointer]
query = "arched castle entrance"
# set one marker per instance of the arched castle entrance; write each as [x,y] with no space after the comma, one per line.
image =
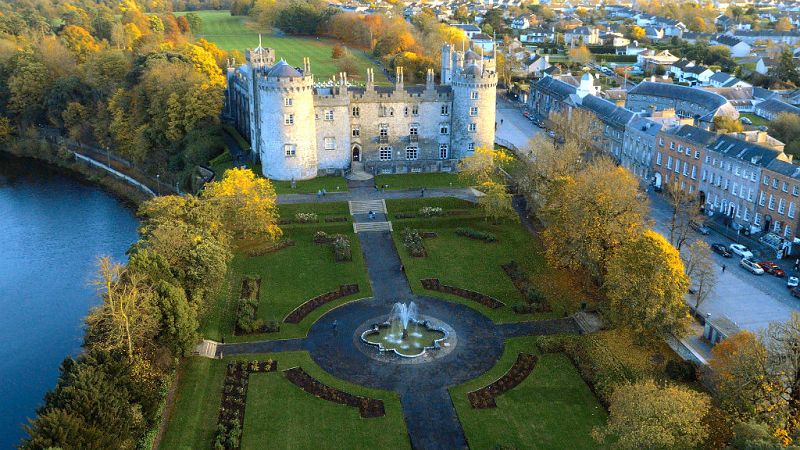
[356,153]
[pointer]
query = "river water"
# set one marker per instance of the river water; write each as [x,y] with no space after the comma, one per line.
[52,229]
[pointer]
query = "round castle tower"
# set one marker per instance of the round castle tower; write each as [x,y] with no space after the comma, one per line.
[474,100]
[288,147]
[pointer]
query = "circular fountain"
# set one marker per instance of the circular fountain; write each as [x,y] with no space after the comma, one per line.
[404,333]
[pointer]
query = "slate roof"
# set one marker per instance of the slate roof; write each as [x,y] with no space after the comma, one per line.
[703,98]
[728,40]
[693,134]
[744,151]
[776,106]
[555,88]
[721,77]
[608,111]
[784,168]
[283,70]
[645,125]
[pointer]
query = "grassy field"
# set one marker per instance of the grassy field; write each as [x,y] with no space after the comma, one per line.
[757,121]
[290,276]
[420,180]
[279,415]
[235,33]
[552,409]
[476,265]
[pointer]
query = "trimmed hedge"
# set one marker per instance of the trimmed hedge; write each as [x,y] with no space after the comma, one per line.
[367,407]
[299,313]
[476,235]
[433,284]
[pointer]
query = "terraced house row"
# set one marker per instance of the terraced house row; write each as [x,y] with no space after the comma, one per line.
[663,134]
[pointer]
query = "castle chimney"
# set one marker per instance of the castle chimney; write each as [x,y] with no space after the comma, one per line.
[399,78]
[306,66]
[429,80]
[369,79]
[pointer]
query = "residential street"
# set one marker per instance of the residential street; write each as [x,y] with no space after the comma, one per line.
[750,301]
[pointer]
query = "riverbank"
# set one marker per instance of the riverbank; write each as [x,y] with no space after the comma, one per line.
[44,152]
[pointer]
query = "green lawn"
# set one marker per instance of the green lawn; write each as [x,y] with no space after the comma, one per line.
[235,33]
[476,265]
[224,162]
[284,416]
[279,414]
[552,409]
[420,180]
[757,121]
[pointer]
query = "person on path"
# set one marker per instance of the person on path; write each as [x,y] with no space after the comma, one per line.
[334,325]
[797,265]
[723,268]
[422,192]
[324,191]
[370,215]
[501,121]
[319,194]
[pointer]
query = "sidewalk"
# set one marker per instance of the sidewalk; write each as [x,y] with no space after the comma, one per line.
[370,193]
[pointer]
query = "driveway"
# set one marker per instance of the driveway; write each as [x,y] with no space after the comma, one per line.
[512,126]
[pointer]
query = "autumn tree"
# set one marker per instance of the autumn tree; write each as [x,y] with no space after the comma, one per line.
[741,379]
[786,128]
[247,203]
[635,33]
[701,270]
[684,209]
[177,318]
[579,126]
[79,41]
[548,163]
[581,55]
[783,345]
[646,415]
[727,124]
[495,201]
[482,165]
[783,24]
[125,319]
[5,129]
[645,286]
[589,215]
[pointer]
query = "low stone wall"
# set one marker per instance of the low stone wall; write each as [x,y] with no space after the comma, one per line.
[485,397]
[367,407]
[433,284]
[299,313]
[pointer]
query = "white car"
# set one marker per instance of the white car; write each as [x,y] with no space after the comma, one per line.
[741,250]
[751,266]
[792,282]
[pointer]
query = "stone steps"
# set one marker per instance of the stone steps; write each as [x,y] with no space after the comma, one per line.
[361,227]
[365,206]
[207,348]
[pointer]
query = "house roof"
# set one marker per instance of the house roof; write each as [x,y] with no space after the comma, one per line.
[703,98]
[728,40]
[744,151]
[721,77]
[283,70]
[608,111]
[784,168]
[776,106]
[693,134]
[645,125]
[555,88]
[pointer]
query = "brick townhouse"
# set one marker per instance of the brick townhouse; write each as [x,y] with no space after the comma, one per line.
[679,156]
[779,198]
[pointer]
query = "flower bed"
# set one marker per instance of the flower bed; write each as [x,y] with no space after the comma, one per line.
[485,397]
[428,234]
[367,407]
[412,241]
[476,235]
[336,219]
[234,399]
[433,284]
[535,301]
[299,313]
[247,305]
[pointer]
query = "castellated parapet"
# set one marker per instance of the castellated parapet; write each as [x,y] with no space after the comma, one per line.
[299,128]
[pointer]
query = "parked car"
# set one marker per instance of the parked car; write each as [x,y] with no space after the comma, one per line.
[795,291]
[721,249]
[746,121]
[699,227]
[531,118]
[772,268]
[792,282]
[526,113]
[751,266]
[741,250]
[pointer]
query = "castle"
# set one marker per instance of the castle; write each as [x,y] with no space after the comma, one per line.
[299,129]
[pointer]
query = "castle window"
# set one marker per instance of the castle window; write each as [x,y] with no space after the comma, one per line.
[445,110]
[384,131]
[290,150]
[471,147]
[385,153]
[473,111]
[415,110]
[287,101]
[443,150]
[405,111]
[356,131]
[330,143]
[328,114]
[412,153]
[444,129]
[288,119]
[472,127]
[413,130]
[356,111]
[473,95]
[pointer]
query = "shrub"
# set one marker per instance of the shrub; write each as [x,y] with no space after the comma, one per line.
[321,237]
[475,234]
[302,217]
[533,296]
[554,344]
[430,211]
[413,243]
[341,248]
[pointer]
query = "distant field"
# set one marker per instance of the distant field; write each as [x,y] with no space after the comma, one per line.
[235,33]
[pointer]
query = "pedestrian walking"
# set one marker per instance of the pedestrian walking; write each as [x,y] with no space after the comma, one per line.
[422,192]
[334,325]
[371,214]
[223,339]
[319,194]
[324,191]
[501,121]
[797,265]
[402,268]
[723,268]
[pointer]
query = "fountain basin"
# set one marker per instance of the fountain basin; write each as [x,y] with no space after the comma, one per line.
[388,337]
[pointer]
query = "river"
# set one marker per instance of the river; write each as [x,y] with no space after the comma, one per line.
[52,229]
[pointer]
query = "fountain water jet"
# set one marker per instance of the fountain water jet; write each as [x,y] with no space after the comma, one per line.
[402,314]
[402,333]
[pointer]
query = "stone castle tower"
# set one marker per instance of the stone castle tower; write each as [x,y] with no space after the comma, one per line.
[300,128]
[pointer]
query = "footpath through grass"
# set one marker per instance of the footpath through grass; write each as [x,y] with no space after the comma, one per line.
[421,180]
[279,415]
[552,409]
[236,33]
